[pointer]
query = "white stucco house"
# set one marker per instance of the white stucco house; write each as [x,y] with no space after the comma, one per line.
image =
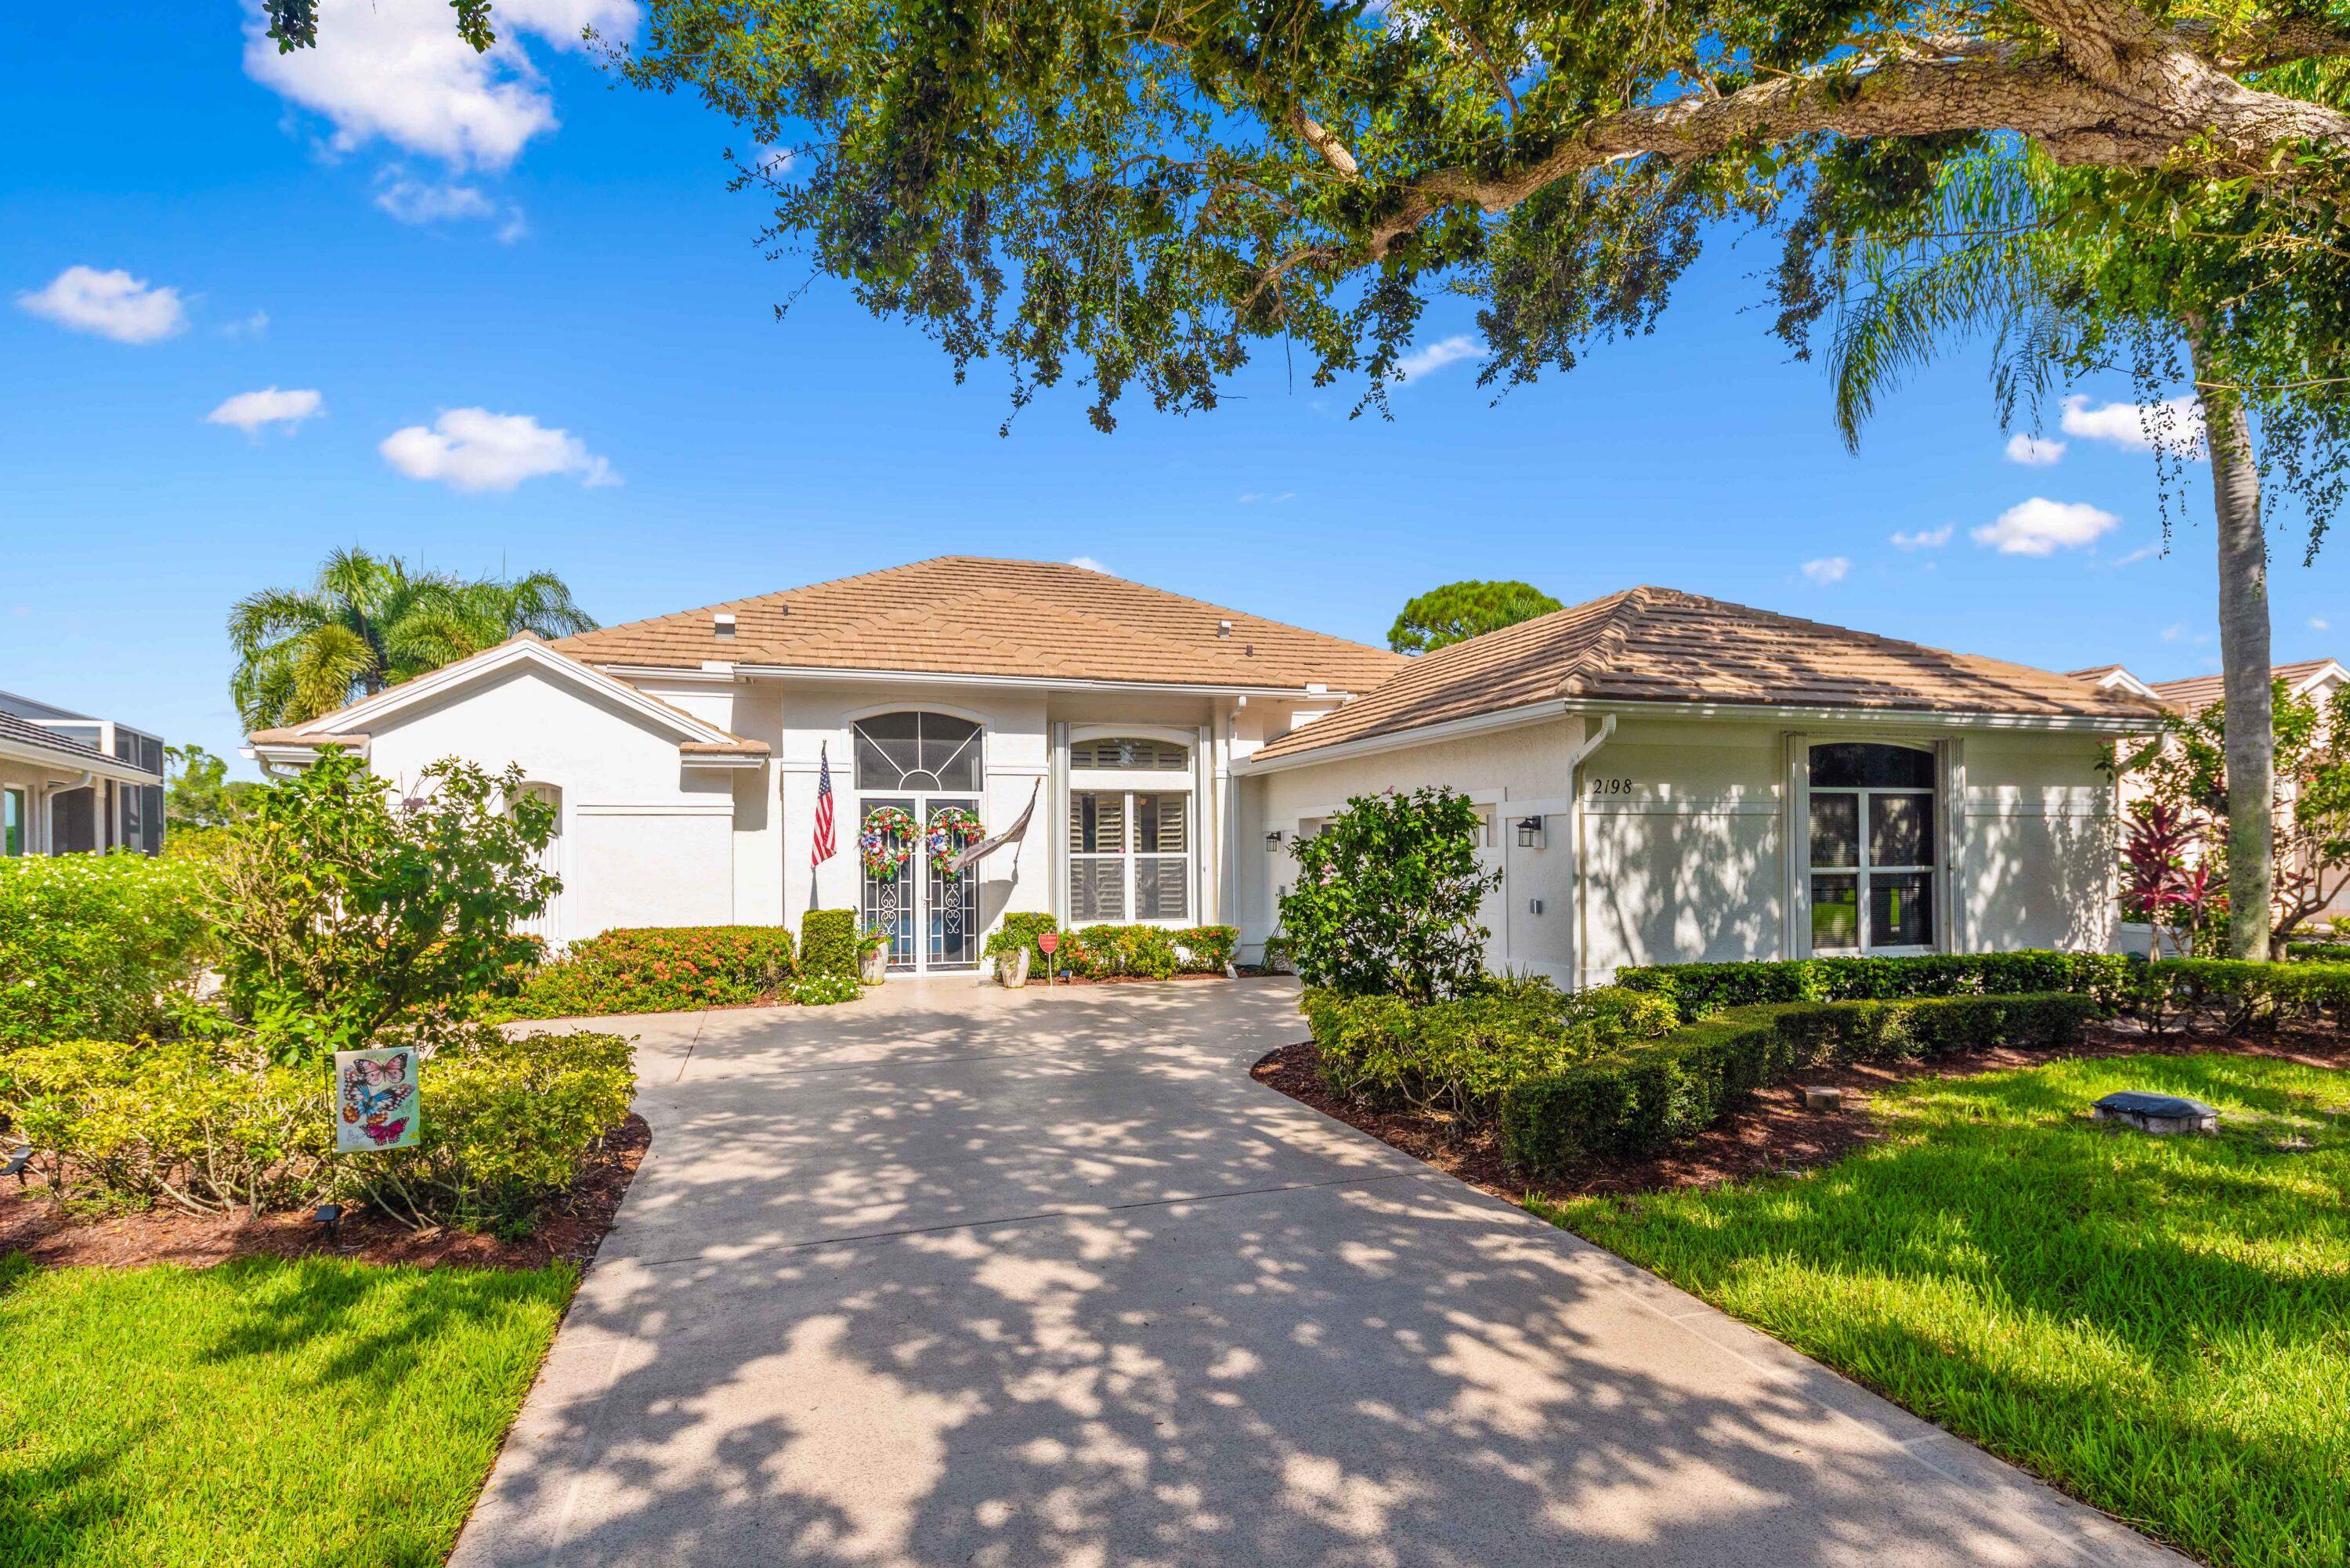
[1663,776]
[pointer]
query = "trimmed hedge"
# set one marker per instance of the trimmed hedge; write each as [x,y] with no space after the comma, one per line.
[654,968]
[1144,952]
[1460,1056]
[829,943]
[1020,928]
[1640,1100]
[97,945]
[2247,995]
[2319,953]
[1699,988]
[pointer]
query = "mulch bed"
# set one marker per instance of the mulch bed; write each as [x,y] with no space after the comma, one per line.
[574,1227]
[1771,1133]
[1034,979]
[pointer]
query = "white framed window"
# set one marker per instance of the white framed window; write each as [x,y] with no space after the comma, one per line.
[16,827]
[1132,851]
[916,750]
[1873,835]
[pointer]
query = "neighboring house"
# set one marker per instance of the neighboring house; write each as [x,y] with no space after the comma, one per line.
[2314,678]
[71,783]
[1663,776]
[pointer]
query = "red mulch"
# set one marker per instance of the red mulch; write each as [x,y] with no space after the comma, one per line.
[572,1229]
[1771,1132]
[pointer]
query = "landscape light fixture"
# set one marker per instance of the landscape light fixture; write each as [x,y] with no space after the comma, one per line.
[1528,832]
[329,1218]
[17,1164]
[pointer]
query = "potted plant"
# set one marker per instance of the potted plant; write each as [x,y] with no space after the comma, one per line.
[1013,947]
[872,955]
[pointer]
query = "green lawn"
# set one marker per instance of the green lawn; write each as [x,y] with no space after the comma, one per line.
[257,1413]
[2159,1326]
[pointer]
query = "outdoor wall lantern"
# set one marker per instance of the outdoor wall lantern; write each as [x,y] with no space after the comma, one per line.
[1273,841]
[1530,831]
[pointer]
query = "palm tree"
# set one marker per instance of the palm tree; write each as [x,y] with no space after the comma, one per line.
[2014,245]
[369,622]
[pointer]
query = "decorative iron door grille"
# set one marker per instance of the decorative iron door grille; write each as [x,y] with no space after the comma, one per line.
[890,900]
[952,907]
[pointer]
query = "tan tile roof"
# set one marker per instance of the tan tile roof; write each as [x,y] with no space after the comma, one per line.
[1659,645]
[2197,692]
[963,616]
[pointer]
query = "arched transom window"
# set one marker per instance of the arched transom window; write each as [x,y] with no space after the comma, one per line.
[916,752]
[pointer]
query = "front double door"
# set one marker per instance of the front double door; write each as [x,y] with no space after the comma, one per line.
[933,919]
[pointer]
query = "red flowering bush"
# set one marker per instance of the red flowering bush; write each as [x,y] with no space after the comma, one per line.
[661,969]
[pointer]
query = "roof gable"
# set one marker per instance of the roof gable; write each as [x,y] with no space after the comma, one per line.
[1660,645]
[1023,619]
[2194,693]
[352,724]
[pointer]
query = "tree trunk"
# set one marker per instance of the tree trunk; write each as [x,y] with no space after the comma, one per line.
[2243,654]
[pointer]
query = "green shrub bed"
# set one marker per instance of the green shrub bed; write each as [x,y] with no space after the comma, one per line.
[664,968]
[1110,951]
[1639,1100]
[503,1123]
[96,944]
[829,943]
[1698,989]
[2319,953]
[2239,996]
[1462,1055]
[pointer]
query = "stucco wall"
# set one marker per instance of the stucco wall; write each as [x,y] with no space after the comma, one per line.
[1682,833]
[645,841]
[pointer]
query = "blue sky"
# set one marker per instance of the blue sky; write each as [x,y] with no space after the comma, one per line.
[525,240]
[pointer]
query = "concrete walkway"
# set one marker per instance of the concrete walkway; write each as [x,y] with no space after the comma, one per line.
[955,1276]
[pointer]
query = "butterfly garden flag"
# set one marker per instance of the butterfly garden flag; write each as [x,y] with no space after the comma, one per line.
[375,1094]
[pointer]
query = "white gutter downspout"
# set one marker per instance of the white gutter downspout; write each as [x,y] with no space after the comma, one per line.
[1575,759]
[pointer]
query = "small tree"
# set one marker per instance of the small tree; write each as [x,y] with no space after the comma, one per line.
[200,794]
[1386,897]
[1459,611]
[2185,769]
[344,912]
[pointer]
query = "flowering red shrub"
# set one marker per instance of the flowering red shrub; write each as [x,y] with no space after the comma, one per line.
[661,968]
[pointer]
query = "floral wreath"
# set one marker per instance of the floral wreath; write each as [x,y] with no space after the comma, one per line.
[886,840]
[953,830]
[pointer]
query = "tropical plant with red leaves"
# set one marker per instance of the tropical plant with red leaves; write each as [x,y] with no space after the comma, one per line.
[2159,886]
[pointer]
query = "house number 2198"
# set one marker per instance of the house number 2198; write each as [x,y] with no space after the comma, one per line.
[1611,787]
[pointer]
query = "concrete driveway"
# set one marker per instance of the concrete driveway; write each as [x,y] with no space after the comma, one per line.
[954,1276]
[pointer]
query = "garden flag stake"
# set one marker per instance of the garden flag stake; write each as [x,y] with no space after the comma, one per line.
[822,850]
[986,847]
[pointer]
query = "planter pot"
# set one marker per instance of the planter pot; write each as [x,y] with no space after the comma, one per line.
[1012,967]
[873,966]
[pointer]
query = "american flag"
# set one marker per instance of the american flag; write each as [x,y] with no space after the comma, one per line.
[822,851]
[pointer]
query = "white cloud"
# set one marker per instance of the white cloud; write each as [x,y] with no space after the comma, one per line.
[1090,565]
[1831,569]
[476,450]
[2177,424]
[1254,497]
[2032,451]
[397,70]
[1924,538]
[1436,356]
[412,200]
[2143,553]
[248,412]
[112,303]
[253,326]
[2319,623]
[2173,633]
[2041,527]
[775,163]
